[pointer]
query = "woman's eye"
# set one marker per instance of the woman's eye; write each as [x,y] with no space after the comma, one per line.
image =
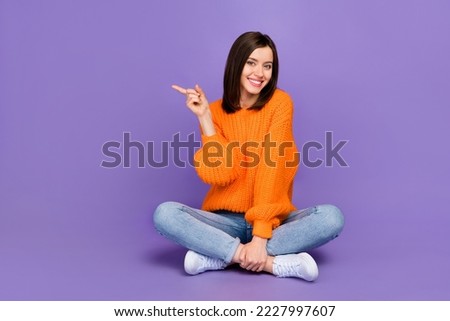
[268,67]
[250,63]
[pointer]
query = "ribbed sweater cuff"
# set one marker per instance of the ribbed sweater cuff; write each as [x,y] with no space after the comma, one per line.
[262,229]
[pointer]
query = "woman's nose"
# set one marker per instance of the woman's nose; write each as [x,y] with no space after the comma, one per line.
[258,71]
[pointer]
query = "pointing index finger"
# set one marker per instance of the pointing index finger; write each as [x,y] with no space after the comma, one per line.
[181,90]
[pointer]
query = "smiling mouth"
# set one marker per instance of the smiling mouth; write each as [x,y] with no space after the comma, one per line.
[256,83]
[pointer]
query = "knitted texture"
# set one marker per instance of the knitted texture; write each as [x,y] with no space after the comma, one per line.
[251,162]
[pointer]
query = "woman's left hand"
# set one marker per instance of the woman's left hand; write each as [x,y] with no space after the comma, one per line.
[253,255]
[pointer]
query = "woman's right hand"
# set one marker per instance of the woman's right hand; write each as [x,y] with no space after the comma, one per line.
[195,100]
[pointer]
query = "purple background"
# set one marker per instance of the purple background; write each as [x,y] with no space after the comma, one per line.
[76,74]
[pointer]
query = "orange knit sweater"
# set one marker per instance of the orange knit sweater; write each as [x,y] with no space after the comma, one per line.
[251,162]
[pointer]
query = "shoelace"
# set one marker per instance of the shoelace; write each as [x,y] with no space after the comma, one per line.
[212,262]
[290,269]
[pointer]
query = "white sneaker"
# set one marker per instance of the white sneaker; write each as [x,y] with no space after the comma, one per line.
[300,265]
[195,263]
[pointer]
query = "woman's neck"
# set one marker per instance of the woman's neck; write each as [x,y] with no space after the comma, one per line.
[247,101]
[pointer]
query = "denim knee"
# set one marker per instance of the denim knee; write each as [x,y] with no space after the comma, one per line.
[164,215]
[333,217]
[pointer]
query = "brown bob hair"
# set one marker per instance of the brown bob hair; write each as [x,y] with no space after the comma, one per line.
[241,49]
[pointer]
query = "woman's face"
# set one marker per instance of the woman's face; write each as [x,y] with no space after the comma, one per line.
[257,72]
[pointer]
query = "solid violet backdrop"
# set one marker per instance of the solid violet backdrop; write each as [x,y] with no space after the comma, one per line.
[77,74]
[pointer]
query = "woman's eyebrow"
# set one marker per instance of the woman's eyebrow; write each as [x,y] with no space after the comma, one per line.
[267,62]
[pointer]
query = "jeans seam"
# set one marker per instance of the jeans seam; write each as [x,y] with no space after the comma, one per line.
[193,213]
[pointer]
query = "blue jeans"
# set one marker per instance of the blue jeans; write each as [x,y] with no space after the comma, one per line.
[218,234]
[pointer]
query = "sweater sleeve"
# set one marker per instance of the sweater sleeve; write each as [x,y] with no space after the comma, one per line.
[275,174]
[217,160]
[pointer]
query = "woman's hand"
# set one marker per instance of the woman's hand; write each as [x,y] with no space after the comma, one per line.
[253,255]
[195,100]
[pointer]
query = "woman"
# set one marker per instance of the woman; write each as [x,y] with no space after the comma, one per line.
[249,158]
